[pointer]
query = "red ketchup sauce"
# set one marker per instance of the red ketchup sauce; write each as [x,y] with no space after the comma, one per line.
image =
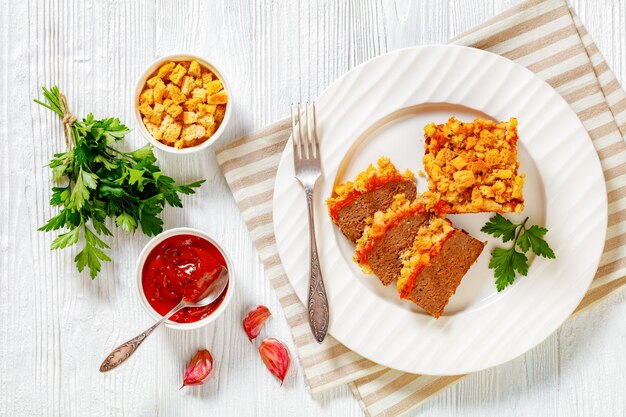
[181,266]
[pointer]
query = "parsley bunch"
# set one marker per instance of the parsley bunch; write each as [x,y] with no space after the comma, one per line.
[102,182]
[506,262]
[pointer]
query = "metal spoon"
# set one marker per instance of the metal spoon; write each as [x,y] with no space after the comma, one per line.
[126,349]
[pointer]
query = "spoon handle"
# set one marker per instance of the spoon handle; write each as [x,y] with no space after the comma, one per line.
[126,349]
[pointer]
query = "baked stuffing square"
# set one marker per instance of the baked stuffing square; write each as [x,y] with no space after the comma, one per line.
[473,167]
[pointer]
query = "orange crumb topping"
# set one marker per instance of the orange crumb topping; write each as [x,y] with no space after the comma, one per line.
[472,167]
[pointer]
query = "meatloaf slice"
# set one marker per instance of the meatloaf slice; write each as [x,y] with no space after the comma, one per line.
[351,218]
[372,190]
[388,235]
[384,259]
[438,281]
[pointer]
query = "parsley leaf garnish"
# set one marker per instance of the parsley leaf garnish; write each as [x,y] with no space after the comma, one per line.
[507,263]
[101,182]
[500,226]
[538,244]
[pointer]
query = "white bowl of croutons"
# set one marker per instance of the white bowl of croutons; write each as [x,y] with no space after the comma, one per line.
[182,103]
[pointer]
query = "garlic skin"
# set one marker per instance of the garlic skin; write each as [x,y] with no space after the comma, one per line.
[198,369]
[276,357]
[255,320]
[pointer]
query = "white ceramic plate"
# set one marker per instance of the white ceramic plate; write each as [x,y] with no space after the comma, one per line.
[380,108]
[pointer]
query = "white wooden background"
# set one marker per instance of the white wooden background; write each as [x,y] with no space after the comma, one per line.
[56,325]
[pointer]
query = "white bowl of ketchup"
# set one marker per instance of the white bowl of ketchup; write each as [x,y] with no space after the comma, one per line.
[182,262]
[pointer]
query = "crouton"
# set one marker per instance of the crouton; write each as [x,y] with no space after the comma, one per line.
[218,98]
[155,119]
[166,69]
[193,132]
[206,108]
[159,91]
[174,110]
[177,74]
[175,94]
[206,78]
[146,97]
[188,85]
[213,87]
[172,132]
[207,121]
[194,69]
[153,81]
[199,93]
[158,109]
[219,113]
[154,130]
[146,110]
[192,104]
[190,117]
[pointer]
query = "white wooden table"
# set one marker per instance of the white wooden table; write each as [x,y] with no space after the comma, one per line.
[57,325]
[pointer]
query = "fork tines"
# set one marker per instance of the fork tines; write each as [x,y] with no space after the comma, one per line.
[304,130]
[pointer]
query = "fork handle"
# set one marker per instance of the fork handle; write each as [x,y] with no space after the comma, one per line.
[317,301]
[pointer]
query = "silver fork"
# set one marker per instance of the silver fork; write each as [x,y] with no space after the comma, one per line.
[306,161]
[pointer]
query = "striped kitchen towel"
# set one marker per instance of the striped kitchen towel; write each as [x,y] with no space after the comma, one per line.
[546,37]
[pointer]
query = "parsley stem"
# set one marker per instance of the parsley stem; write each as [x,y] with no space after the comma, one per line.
[520,227]
[114,150]
[122,155]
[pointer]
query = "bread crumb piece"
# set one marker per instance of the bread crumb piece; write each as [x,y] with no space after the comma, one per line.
[153,81]
[175,94]
[177,75]
[190,117]
[206,79]
[159,91]
[220,111]
[193,132]
[194,69]
[213,87]
[174,110]
[146,97]
[199,93]
[188,85]
[218,98]
[192,104]
[172,132]
[166,69]
[146,110]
